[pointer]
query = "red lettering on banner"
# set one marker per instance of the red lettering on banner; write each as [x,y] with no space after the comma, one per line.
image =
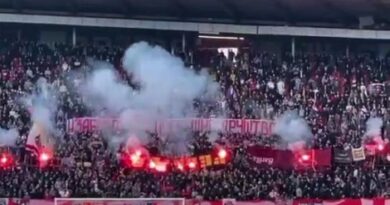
[264,127]
[232,125]
[69,125]
[250,126]
[196,124]
[237,125]
[79,123]
[253,126]
[86,124]
[201,124]
[206,124]
[93,124]
[243,125]
[228,125]
[225,125]
[271,125]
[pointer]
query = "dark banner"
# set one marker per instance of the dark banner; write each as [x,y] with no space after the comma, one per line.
[265,156]
[262,156]
[342,156]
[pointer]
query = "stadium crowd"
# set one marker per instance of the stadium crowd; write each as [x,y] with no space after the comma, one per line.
[333,93]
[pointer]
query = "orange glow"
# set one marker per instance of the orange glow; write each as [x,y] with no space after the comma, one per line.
[152,165]
[305,157]
[4,159]
[381,147]
[134,158]
[44,157]
[222,154]
[180,166]
[138,153]
[192,165]
[161,167]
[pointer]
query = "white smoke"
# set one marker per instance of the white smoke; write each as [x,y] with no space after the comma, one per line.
[103,90]
[293,129]
[8,137]
[373,127]
[168,89]
[42,105]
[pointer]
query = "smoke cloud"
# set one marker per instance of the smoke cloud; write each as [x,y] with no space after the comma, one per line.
[373,127]
[42,104]
[103,90]
[293,130]
[167,90]
[8,137]
[168,87]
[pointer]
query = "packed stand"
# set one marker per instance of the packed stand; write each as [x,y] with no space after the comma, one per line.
[333,93]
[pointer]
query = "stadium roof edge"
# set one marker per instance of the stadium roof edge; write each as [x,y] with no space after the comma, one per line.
[203,28]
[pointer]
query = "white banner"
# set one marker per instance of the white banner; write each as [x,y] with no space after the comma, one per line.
[244,126]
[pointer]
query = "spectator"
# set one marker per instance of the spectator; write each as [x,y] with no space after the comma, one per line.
[335,94]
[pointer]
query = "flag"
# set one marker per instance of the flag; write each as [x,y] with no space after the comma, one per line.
[358,154]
